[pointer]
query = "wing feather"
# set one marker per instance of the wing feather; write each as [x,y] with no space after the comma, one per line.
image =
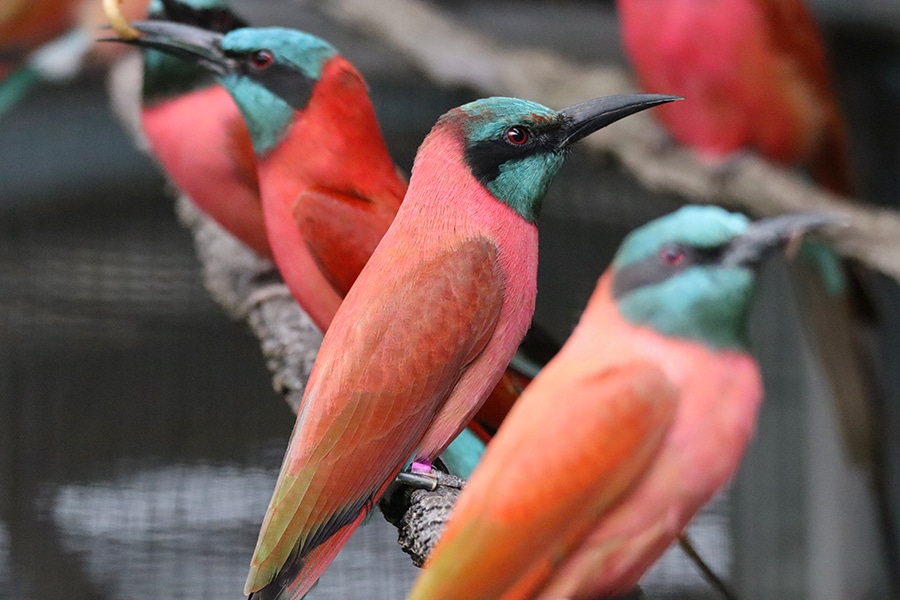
[391,357]
[795,35]
[341,231]
[572,446]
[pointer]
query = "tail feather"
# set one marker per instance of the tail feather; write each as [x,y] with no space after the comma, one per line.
[301,573]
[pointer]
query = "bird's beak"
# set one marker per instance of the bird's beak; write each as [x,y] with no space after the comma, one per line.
[585,118]
[763,237]
[192,44]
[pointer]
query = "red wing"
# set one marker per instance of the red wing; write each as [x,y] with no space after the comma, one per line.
[341,231]
[794,32]
[392,356]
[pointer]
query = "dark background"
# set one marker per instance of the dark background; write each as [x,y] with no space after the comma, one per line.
[139,433]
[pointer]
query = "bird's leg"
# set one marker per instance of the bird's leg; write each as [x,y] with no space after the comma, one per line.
[420,467]
[418,510]
[427,475]
[418,481]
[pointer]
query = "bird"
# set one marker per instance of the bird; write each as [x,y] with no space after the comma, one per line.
[47,40]
[328,186]
[642,416]
[325,205]
[196,132]
[756,80]
[427,329]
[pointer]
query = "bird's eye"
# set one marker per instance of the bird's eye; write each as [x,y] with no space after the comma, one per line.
[262,59]
[672,255]
[517,135]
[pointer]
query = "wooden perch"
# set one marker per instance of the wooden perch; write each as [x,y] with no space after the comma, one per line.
[250,288]
[452,53]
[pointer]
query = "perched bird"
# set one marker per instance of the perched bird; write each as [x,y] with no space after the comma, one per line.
[329,188]
[196,132]
[754,75]
[640,418]
[325,208]
[755,78]
[47,40]
[428,328]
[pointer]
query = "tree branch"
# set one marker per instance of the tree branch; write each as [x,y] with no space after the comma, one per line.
[250,288]
[451,53]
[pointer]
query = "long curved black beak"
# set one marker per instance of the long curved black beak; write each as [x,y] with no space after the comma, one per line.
[767,235]
[192,44]
[585,118]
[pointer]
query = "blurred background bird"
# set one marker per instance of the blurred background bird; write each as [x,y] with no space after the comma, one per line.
[194,129]
[49,40]
[756,78]
[638,421]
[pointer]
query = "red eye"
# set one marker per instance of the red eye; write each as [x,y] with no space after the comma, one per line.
[672,255]
[517,135]
[262,59]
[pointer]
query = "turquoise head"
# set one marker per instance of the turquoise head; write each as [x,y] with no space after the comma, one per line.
[692,274]
[515,147]
[270,72]
[166,76]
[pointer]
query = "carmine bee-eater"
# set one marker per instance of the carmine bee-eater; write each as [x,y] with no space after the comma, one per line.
[622,437]
[329,188]
[196,132]
[754,74]
[325,209]
[47,40]
[427,330]
[436,314]
[755,77]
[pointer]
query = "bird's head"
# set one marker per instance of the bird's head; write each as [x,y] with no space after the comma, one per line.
[692,274]
[515,147]
[167,76]
[270,72]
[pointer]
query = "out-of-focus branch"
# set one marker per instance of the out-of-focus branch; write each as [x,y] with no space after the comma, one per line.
[452,53]
[246,286]
[250,288]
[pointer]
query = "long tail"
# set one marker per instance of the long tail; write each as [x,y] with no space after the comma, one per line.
[300,575]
